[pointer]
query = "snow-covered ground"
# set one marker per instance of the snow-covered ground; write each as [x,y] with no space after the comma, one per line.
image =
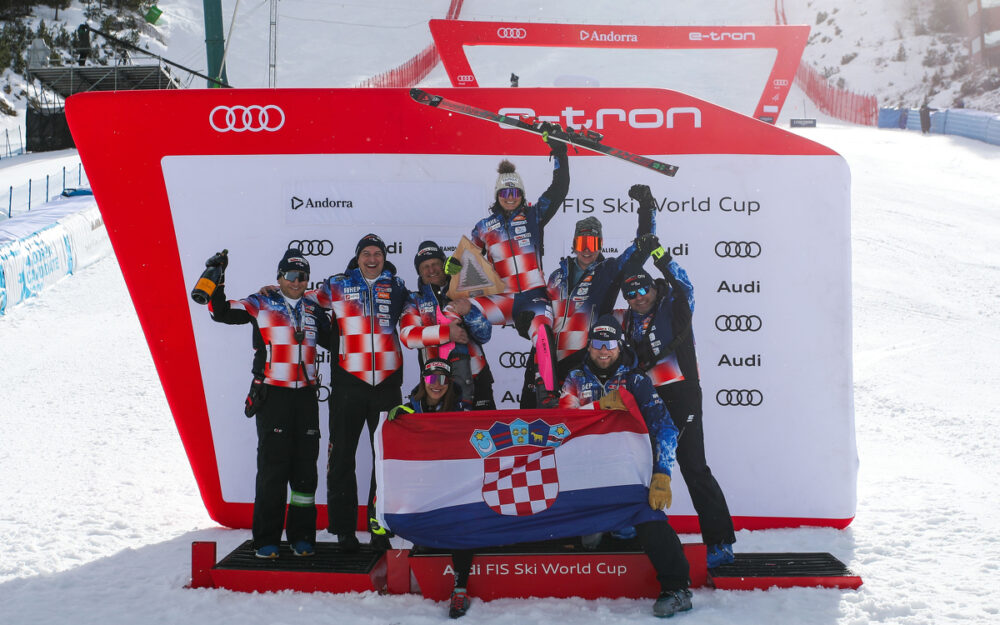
[99,505]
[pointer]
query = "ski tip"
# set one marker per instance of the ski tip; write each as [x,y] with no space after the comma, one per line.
[418,94]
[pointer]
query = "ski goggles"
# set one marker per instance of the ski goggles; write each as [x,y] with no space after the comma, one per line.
[634,293]
[293,276]
[435,379]
[509,193]
[587,243]
[604,344]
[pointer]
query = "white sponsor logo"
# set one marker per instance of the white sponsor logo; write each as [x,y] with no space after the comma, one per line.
[465,78]
[512,33]
[254,118]
[714,36]
[610,36]
[640,118]
[780,82]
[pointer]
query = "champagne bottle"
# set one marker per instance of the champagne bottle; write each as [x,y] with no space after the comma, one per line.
[211,278]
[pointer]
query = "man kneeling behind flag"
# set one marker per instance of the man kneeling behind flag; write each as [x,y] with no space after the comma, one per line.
[505,477]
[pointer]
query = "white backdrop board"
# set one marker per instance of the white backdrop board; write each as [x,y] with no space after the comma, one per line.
[758,217]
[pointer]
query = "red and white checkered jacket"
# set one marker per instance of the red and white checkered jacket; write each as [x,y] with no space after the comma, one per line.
[369,350]
[423,327]
[280,358]
[513,241]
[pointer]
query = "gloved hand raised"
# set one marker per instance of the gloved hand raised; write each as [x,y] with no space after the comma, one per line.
[660,496]
[399,411]
[220,260]
[453,266]
[612,401]
[640,193]
[646,243]
[557,148]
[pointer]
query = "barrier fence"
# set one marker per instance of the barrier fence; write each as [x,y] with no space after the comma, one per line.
[841,104]
[11,144]
[968,123]
[39,190]
[413,71]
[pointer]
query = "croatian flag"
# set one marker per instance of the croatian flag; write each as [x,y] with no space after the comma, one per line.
[477,479]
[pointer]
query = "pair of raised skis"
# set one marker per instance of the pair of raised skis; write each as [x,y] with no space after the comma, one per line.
[586,139]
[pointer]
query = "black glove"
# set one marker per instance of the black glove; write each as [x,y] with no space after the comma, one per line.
[220,260]
[522,323]
[557,148]
[640,193]
[256,397]
[646,244]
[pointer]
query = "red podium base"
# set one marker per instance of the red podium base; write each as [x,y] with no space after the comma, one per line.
[551,569]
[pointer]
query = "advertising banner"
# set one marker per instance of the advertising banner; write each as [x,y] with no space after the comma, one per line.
[759,218]
[456,38]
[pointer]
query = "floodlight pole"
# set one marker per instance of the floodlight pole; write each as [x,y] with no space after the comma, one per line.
[272,58]
[214,42]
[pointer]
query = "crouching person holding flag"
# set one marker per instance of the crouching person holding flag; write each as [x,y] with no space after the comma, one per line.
[287,328]
[437,393]
[609,366]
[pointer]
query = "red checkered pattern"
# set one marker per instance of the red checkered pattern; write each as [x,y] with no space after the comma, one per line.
[521,485]
[368,350]
[571,331]
[422,330]
[281,368]
[667,370]
[514,259]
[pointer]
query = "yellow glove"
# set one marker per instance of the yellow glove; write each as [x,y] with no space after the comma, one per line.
[660,496]
[399,411]
[612,401]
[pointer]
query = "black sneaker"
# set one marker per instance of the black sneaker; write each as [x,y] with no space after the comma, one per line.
[380,542]
[459,603]
[671,602]
[349,543]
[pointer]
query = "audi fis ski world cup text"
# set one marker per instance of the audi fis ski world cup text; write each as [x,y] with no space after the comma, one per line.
[727,204]
[544,568]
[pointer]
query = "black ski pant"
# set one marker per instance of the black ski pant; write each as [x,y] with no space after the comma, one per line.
[683,400]
[665,553]
[352,406]
[287,450]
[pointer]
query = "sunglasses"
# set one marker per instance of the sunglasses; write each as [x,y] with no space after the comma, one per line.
[637,292]
[584,243]
[599,344]
[510,193]
[293,276]
[436,379]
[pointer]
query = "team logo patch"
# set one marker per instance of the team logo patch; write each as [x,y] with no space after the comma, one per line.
[519,465]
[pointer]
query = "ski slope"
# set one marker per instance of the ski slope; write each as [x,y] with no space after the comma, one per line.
[100,506]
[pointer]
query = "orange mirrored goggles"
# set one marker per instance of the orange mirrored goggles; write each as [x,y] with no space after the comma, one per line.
[587,243]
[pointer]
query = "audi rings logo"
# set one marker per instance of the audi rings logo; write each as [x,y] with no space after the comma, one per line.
[738,323]
[254,118]
[512,33]
[465,77]
[323,393]
[313,247]
[739,397]
[737,249]
[514,360]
